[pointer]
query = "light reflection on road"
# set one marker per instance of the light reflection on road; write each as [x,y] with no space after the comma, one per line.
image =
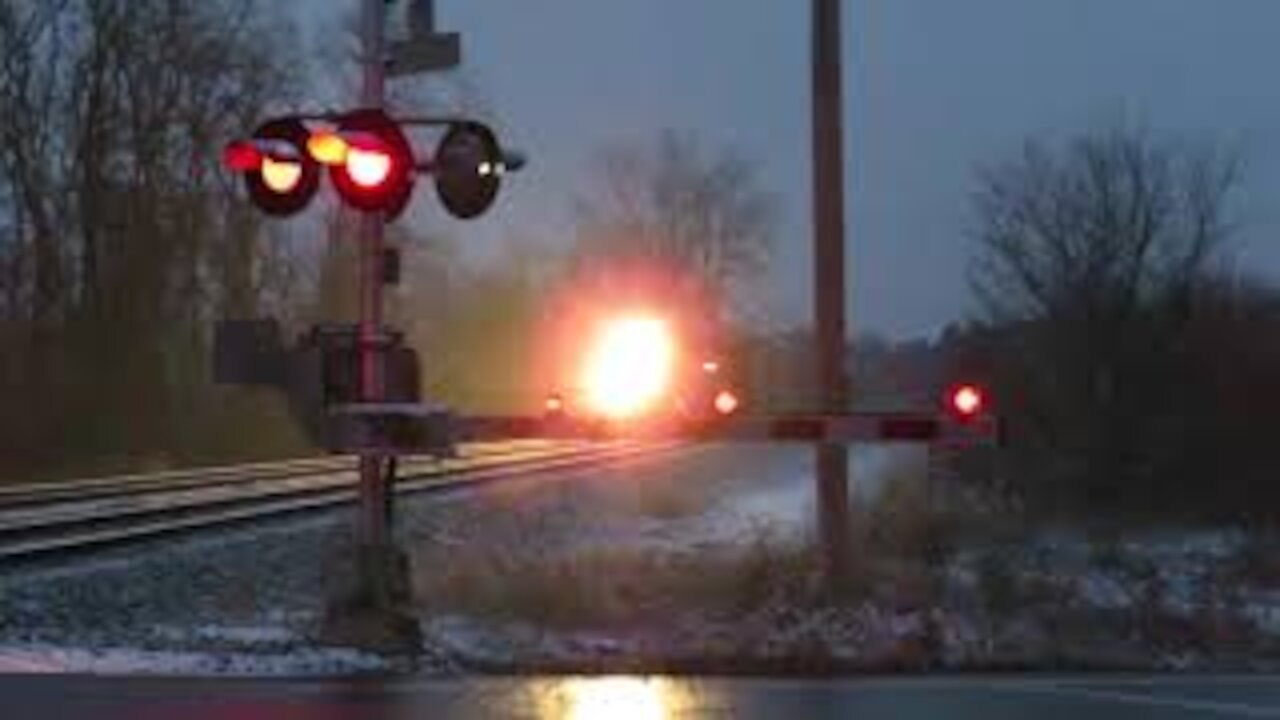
[611,698]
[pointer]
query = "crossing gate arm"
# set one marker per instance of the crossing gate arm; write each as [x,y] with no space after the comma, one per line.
[803,428]
[413,428]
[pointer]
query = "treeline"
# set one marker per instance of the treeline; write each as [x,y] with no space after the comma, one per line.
[122,242]
[1137,371]
[120,237]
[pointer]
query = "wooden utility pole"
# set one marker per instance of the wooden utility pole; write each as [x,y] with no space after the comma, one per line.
[829,282]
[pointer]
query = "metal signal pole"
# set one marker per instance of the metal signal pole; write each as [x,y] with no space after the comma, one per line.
[371,614]
[374,508]
[367,609]
[829,282]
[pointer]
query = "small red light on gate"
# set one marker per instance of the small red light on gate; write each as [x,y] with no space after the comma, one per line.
[967,401]
[726,402]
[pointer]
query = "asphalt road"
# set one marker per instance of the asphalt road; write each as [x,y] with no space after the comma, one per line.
[50,697]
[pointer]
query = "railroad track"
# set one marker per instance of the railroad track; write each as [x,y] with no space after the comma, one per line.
[96,488]
[51,519]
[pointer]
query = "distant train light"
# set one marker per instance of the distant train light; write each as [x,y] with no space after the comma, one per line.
[630,368]
[554,404]
[726,402]
[711,367]
[966,401]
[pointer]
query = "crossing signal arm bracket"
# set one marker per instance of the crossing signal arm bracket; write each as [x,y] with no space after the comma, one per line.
[371,161]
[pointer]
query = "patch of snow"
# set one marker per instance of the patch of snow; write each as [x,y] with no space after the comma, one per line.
[962,639]
[869,466]
[1183,590]
[782,508]
[786,510]
[1202,546]
[478,640]
[1262,608]
[230,634]
[119,661]
[1103,590]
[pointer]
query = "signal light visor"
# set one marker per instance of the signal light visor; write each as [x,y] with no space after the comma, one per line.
[328,148]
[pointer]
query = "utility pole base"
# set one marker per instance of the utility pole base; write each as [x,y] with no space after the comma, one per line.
[835,532]
[370,612]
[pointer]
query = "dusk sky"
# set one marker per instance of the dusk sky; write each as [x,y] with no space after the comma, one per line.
[934,88]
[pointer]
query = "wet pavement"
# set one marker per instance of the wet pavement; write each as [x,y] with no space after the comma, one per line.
[51,697]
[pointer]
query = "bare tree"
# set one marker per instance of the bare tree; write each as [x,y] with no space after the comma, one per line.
[121,237]
[678,204]
[1089,256]
[1101,224]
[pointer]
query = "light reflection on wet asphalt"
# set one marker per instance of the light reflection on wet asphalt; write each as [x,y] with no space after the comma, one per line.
[52,697]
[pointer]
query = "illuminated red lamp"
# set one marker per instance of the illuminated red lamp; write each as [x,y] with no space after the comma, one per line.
[369,168]
[371,161]
[365,159]
[966,401]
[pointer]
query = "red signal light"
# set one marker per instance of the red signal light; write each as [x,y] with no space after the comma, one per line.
[967,401]
[368,168]
[371,162]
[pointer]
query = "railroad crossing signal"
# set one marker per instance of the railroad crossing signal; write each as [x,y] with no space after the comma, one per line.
[469,170]
[371,162]
[279,175]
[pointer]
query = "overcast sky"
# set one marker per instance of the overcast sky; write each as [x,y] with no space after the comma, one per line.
[933,88]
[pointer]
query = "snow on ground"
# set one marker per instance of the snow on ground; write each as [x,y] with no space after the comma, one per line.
[1103,590]
[754,498]
[788,504]
[40,658]
[246,601]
